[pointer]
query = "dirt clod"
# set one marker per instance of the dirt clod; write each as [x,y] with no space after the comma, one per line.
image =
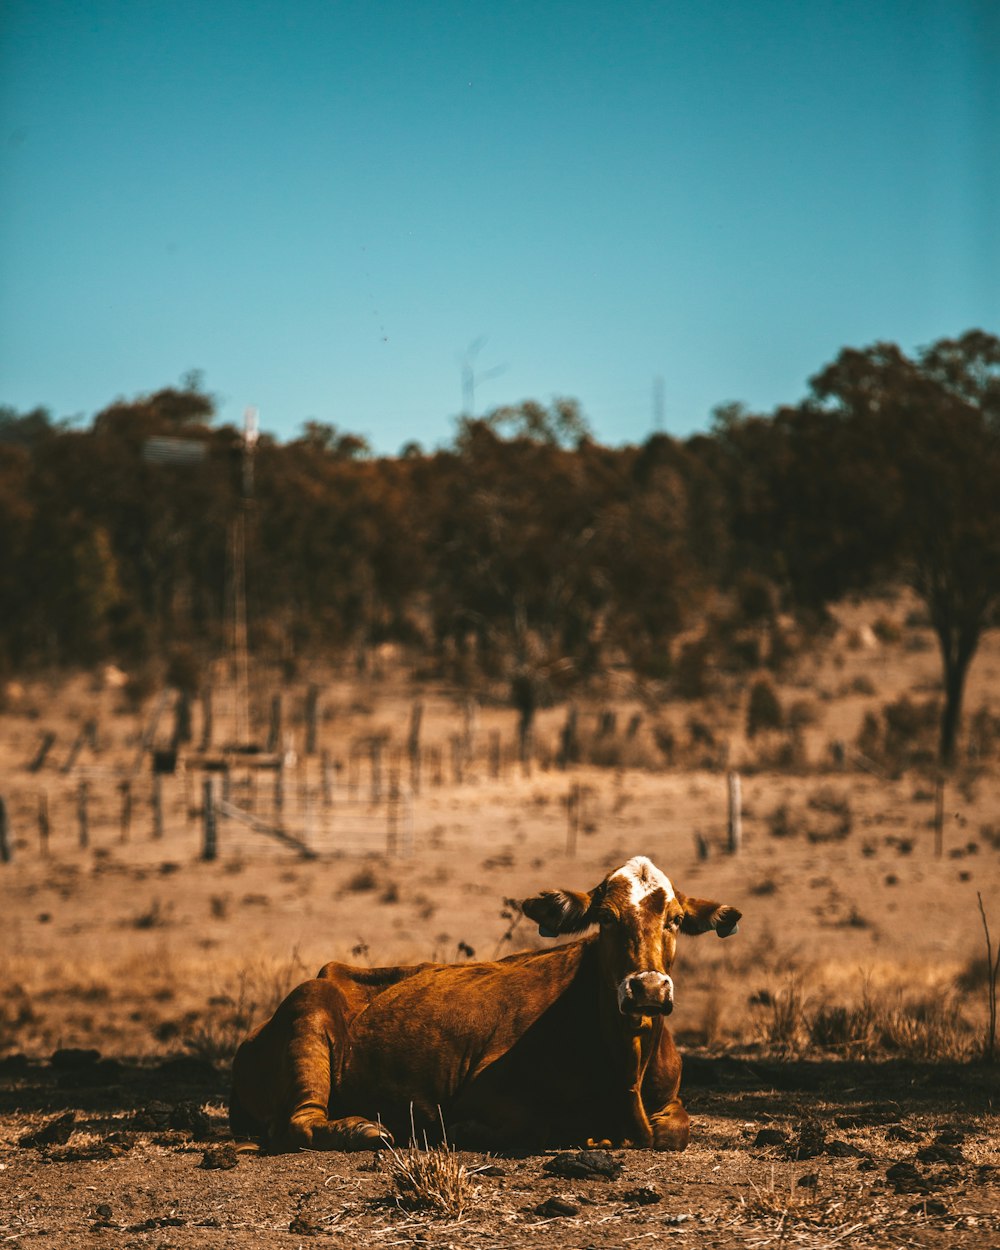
[590,1165]
[54,1133]
[556,1208]
[220,1158]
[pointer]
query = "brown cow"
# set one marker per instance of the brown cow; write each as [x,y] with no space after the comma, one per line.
[560,1047]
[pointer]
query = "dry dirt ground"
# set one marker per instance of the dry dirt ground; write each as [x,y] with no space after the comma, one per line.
[842,1021]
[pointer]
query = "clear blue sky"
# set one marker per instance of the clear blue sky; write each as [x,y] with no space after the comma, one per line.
[322,204]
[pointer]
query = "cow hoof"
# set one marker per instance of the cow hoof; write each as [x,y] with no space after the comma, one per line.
[599,1143]
[365,1135]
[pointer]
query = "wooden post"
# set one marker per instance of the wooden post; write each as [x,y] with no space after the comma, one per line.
[274,728]
[495,754]
[209,844]
[569,747]
[457,753]
[6,852]
[437,758]
[572,818]
[43,823]
[312,700]
[206,718]
[939,816]
[353,768]
[81,813]
[392,815]
[156,802]
[375,748]
[735,824]
[182,720]
[44,747]
[125,820]
[413,745]
[326,774]
[279,785]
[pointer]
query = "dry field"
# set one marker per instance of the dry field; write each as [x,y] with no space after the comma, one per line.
[844,1021]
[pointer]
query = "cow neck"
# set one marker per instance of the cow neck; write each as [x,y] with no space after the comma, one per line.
[630,1042]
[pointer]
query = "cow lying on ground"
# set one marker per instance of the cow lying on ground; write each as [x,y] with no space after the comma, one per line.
[560,1047]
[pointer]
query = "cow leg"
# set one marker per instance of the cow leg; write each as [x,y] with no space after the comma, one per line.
[283,1077]
[306,1102]
[671,1127]
[668,1120]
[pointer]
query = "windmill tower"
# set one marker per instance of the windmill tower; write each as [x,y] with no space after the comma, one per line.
[239,639]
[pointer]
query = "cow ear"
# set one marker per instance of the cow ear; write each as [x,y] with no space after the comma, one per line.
[702,914]
[559,911]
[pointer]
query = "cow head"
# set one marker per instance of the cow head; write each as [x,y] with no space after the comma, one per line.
[640,914]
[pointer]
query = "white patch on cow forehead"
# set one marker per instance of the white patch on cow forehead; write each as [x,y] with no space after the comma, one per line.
[643,877]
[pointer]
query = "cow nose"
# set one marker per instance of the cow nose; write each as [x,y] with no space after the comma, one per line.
[647,992]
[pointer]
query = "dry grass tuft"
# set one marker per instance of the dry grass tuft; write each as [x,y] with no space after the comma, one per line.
[430,1179]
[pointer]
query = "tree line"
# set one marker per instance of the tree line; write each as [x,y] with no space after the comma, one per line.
[524,551]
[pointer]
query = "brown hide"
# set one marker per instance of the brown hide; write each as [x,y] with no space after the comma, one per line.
[540,1049]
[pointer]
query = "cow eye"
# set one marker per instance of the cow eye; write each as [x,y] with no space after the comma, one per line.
[605,918]
[675,922]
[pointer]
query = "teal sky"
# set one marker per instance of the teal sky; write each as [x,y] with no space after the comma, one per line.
[322,204]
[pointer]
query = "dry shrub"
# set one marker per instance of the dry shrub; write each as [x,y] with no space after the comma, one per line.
[905,734]
[779,1018]
[262,987]
[930,1027]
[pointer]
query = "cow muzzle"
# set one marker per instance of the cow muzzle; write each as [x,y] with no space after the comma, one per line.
[646,994]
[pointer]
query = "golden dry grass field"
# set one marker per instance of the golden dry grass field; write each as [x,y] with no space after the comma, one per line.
[854,997]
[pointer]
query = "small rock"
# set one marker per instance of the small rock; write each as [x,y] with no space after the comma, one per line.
[220,1158]
[103,1211]
[55,1133]
[642,1196]
[950,1136]
[492,1170]
[809,1181]
[770,1137]
[555,1208]
[588,1165]
[843,1150]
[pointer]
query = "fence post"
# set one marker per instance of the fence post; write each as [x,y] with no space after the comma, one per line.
[81,813]
[125,821]
[43,823]
[274,727]
[209,844]
[312,700]
[573,818]
[735,825]
[413,745]
[206,717]
[279,784]
[376,758]
[5,847]
[392,815]
[156,801]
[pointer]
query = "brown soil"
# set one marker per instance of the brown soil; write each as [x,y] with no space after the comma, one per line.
[159,961]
